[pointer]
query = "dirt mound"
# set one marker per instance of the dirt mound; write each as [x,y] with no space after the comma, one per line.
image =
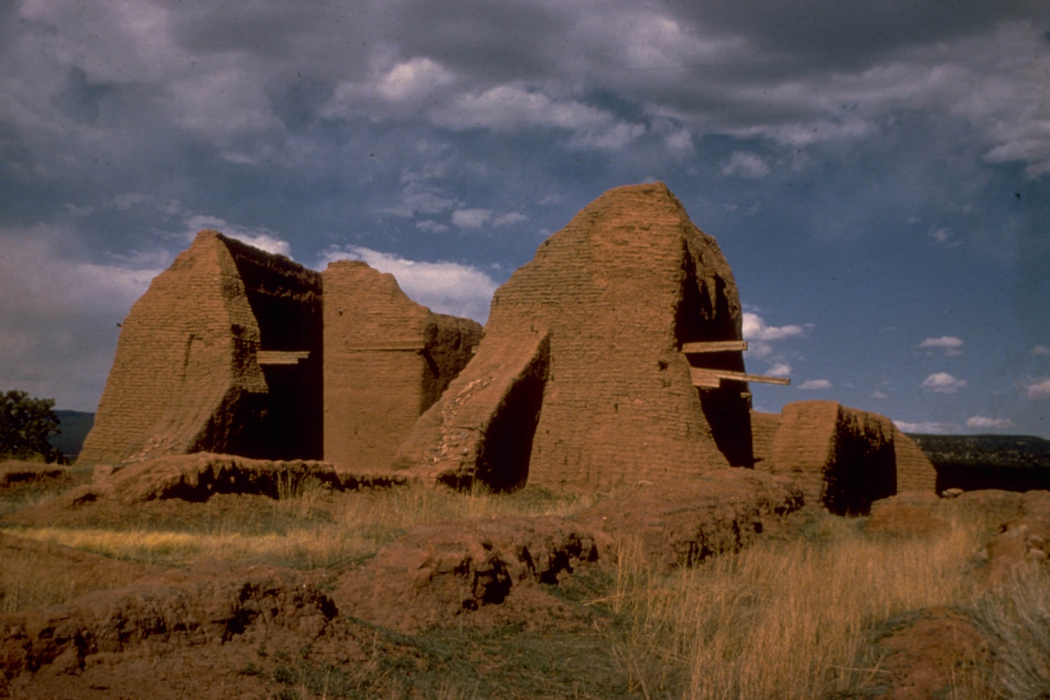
[464,570]
[580,383]
[922,654]
[905,515]
[180,608]
[1023,539]
[684,523]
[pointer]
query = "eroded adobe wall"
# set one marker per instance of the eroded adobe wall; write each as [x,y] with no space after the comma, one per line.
[590,330]
[285,299]
[387,359]
[185,377]
[804,445]
[843,458]
[915,472]
[763,430]
[863,468]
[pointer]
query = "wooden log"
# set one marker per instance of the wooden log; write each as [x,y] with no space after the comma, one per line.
[387,346]
[281,357]
[714,346]
[711,378]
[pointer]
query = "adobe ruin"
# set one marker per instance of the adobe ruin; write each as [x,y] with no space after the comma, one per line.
[226,352]
[614,356]
[841,458]
[222,354]
[387,360]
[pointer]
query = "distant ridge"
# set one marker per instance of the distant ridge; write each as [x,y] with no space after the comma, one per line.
[75,426]
[970,462]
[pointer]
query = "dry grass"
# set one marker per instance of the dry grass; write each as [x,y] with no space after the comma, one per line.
[358,525]
[1016,618]
[783,619]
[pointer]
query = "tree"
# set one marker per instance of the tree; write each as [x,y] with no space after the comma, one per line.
[26,423]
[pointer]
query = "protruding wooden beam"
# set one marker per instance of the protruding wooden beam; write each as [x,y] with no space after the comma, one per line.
[714,346]
[387,346]
[712,378]
[281,357]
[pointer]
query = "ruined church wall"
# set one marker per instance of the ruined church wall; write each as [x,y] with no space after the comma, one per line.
[184,378]
[387,359]
[285,299]
[592,326]
[915,472]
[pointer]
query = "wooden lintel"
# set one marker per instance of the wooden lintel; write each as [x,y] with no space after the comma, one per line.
[387,346]
[281,357]
[711,378]
[714,346]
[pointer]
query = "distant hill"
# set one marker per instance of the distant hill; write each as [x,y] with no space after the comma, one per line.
[75,426]
[969,462]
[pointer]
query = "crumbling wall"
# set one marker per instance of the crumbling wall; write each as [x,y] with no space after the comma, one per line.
[387,359]
[763,430]
[186,377]
[590,331]
[285,299]
[915,472]
[841,458]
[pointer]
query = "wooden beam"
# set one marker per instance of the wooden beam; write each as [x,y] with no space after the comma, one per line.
[387,346]
[712,378]
[281,357]
[714,346]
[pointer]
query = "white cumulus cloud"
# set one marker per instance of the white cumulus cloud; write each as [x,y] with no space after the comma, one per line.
[1038,389]
[746,165]
[947,343]
[1040,350]
[926,427]
[942,383]
[444,287]
[815,384]
[781,369]
[471,218]
[982,422]
[755,328]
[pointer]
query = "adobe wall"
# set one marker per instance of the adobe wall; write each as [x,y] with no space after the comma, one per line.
[763,430]
[583,342]
[915,472]
[844,458]
[186,376]
[387,360]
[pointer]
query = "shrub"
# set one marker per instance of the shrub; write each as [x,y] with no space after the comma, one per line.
[26,423]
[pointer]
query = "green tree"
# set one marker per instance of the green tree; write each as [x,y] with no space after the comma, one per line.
[26,423]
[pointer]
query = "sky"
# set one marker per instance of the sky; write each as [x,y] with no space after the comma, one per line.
[877,174]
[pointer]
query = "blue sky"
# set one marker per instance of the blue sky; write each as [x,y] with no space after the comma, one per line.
[877,174]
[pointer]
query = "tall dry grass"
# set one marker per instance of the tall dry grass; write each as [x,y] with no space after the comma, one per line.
[782,620]
[358,525]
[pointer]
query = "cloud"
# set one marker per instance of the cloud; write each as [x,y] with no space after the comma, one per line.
[926,427]
[509,219]
[58,341]
[942,383]
[949,344]
[1040,350]
[261,238]
[815,385]
[471,218]
[982,423]
[512,107]
[444,287]
[781,369]
[755,328]
[940,235]
[746,165]
[1038,389]
[878,395]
